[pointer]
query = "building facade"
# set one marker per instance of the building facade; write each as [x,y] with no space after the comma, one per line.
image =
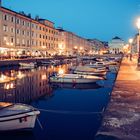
[99,47]
[116,45]
[22,35]
[72,44]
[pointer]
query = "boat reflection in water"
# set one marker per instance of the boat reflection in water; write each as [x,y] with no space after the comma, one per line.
[75,86]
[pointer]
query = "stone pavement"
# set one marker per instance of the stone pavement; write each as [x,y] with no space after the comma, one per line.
[122,117]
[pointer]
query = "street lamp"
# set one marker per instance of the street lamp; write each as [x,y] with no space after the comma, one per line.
[130,45]
[138,38]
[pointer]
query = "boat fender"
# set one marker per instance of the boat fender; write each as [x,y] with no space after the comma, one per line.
[23,119]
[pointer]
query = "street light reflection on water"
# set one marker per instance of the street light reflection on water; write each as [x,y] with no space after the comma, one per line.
[32,86]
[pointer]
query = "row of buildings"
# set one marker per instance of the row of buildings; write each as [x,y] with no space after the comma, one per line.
[20,35]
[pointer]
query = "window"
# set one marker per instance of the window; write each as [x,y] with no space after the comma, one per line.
[32,34]
[23,32]
[18,21]
[23,41]
[36,43]
[32,42]
[28,24]
[12,19]
[12,30]
[36,27]
[5,28]
[5,17]
[18,31]
[5,38]
[32,25]
[17,41]
[28,43]
[12,40]
[23,22]
[28,33]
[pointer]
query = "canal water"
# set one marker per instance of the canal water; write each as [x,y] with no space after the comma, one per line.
[68,111]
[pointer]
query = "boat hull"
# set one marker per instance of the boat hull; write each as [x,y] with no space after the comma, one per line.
[72,80]
[19,121]
[91,73]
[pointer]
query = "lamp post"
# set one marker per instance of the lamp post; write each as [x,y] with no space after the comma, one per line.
[130,44]
[138,40]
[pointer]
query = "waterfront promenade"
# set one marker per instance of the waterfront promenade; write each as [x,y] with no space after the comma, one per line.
[122,117]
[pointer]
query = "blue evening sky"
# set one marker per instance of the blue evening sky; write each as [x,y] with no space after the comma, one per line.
[101,19]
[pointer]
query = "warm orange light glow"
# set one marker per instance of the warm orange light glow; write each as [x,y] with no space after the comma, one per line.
[44,77]
[61,71]
[20,75]
[9,86]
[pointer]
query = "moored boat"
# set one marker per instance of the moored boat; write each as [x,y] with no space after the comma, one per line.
[28,65]
[74,78]
[101,73]
[17,116]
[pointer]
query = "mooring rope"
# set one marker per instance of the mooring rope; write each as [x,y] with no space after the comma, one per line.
[70,112]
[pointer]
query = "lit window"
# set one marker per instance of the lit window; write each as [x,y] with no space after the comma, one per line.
[5,28]
[5,38]
[17,41]
[23,41]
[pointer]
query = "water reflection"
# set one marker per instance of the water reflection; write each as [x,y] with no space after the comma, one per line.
[32,86]
[27,85]
[75,86]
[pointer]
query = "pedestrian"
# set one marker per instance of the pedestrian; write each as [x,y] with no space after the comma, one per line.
[130,57]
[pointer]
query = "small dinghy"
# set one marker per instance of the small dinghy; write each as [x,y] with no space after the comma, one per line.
[17,116]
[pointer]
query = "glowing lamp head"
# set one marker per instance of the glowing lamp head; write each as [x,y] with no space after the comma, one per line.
[138,23]
[130,40]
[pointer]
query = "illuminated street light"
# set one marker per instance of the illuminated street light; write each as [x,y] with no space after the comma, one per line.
[138,24]
[130,43]
[130,40]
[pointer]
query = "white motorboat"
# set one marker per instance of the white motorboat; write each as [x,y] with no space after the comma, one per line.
[74,78]
[101,73]
[89,69]
[17,116]
[98,67]
[28,65]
